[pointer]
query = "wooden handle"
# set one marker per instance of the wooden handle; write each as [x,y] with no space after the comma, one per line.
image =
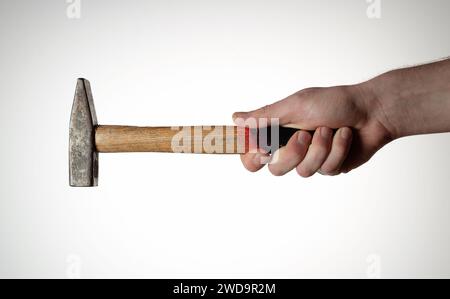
[195,139]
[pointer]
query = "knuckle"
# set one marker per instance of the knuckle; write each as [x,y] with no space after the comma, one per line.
[276,171]
[329,170]
[266,109]
[251,169]
[304,172]
[325,170]
[308,92]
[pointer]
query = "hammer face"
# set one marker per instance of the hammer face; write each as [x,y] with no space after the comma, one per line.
[83,157]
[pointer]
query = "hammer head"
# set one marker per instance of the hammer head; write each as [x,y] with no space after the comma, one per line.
[83,157]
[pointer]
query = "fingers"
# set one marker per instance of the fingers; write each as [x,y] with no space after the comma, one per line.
[317,153]
[281,110]
[322,153]
[341,146]
[288,157]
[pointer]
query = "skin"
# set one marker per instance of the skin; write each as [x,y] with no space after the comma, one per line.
[366,117]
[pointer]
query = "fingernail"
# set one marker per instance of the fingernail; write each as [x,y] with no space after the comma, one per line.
[302,138]
[346,133]
[260,159]
[274,158]
[325,132]
[320,171]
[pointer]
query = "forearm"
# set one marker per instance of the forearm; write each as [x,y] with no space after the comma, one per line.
[413,101]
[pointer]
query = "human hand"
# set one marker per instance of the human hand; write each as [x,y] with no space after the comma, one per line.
[367,116]
[352,110]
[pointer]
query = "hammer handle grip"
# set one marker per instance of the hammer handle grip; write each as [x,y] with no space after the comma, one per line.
[192,139]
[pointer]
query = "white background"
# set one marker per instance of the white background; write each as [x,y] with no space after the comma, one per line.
[186,216]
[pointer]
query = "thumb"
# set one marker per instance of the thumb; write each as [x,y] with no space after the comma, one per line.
[281,110]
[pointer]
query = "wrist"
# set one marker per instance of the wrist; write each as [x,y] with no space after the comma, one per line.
[412,101]
[383,103]
[373,102]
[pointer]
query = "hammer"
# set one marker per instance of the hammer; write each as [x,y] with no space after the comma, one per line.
[87,139]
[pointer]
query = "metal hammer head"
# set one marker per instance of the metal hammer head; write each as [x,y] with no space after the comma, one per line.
[83,157]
